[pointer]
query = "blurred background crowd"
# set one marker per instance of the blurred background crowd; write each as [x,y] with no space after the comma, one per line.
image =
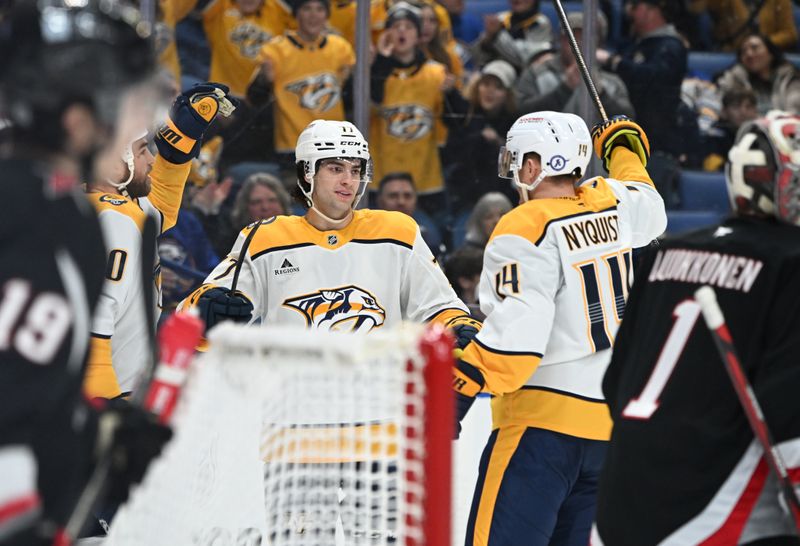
[447,78]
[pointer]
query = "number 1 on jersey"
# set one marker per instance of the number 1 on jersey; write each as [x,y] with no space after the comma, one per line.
[646,404]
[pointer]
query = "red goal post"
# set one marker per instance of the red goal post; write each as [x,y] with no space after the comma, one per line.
[305,438]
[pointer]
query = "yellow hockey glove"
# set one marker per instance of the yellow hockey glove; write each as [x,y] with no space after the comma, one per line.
[620,131]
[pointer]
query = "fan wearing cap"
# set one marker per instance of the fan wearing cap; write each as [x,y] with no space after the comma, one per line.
[711,486]
[516,35]
[552,81]
[556,273]
[472,148]
[336,267]
[305,72]
[411,92]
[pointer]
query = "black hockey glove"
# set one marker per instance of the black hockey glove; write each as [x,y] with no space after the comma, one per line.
[179,139]
[132,437]
[620,131]
[217,305]
[464,328]
[467,383]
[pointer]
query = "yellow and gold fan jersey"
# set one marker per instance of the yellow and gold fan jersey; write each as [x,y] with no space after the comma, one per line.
[308,82]
[555,278]
[403,124]
[375,272]
[236,40]
[119,341]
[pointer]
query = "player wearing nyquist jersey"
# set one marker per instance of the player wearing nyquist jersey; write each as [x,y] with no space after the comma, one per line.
[145,186]
[555,277]
[335,268]
[683,466]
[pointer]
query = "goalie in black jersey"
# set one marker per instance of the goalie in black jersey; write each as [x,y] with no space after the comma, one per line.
[683,466]
[66,71]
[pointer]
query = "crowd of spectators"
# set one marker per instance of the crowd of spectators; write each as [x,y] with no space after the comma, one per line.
[447,80]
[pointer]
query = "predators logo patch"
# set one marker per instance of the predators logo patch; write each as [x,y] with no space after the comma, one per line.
[249,38]
[318,93]
[348,309]
[408,121]
[116,201]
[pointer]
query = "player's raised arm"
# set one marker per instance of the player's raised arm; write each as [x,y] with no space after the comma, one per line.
[623,147]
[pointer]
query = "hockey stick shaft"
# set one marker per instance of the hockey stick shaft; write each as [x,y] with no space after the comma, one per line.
[99,479]
[584,70]
[242,256]
[715,320]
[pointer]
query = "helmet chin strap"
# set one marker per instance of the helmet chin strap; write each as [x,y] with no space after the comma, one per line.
[331,220]
[127,157]
[528,187]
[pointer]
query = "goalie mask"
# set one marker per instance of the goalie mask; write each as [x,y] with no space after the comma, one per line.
[562,142]
[763,169]
[324,139]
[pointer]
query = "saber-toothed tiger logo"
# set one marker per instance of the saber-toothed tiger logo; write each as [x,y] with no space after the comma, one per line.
[347,308]
[408,121]
[319,92]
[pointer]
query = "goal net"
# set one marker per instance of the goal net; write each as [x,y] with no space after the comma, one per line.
[304,438]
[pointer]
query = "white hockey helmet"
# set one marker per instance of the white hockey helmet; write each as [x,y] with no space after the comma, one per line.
[763,169]
[561,140]
[324,139]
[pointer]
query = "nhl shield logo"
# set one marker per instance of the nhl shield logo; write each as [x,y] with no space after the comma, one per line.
[344,309]
[332,239]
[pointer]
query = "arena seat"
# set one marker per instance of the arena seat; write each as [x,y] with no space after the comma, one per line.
[680,221]
[704,191]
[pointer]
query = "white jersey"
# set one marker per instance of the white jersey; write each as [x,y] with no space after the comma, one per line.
[119,329]
[375,272]
[555,278]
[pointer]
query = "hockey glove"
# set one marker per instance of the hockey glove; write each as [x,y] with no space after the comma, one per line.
[620,131]
[217,305]
[179,139]
[467,382]
[132,438]
[464,328]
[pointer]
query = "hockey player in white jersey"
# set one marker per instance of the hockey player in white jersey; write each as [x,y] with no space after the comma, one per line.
[145,186]
[335,268]
[556,273]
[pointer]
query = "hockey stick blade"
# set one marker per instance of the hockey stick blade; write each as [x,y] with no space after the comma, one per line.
[715,320]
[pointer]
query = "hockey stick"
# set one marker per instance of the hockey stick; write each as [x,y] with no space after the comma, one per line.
[584,70]
[99,479]
[242,254]
[715,321]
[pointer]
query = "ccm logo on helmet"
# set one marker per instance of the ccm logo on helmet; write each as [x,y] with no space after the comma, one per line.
[350,143]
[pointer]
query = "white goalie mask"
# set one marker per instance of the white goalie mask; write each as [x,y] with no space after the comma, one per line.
[763,169]
[561,140]
[324,139]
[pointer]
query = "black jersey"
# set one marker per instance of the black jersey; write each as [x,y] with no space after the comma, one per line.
[52,261]
[683,466]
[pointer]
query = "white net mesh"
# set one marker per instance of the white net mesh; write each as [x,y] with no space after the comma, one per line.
[287,437]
